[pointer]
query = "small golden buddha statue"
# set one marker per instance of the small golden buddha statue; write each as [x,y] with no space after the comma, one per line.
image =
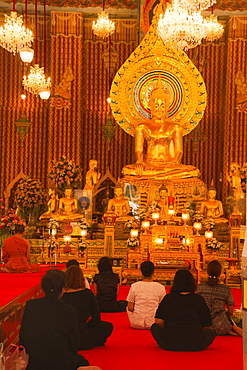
[235,184]
[212,208]
[52,205]
[162,203]
[68,207]
[119,205]
[92,176]
[164,139]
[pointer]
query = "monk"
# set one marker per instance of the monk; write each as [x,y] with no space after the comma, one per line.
[16,253]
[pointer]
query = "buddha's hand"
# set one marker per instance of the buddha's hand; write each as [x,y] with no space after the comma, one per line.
[140,167]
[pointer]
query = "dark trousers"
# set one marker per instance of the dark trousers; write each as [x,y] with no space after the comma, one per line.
[96,335]
[207,339]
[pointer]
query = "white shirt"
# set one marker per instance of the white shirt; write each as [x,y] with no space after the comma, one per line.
[146,295]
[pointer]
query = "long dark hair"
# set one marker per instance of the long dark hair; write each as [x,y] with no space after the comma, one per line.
[53,283]
[75,278]
[104,264]
[183,281]
[214,271]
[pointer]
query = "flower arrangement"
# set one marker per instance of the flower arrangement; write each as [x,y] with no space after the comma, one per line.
[82,244]
[9,220]
[209,224]
[141,214]
[53,224]
[83,224]
[197,216]
[213,244]
[64,173]
[133,242]
[243,177]
[30,197]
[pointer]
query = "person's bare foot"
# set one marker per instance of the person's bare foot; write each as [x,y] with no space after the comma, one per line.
[237,330]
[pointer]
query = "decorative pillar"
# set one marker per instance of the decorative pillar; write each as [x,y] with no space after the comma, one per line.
[109,219]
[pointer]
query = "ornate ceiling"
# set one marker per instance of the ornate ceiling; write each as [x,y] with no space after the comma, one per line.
[230,5]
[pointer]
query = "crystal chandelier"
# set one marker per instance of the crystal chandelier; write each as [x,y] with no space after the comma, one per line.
[13,35]
[36,82]
[193,5]
[180,27]
[103,27]
[185,29]
[214,29]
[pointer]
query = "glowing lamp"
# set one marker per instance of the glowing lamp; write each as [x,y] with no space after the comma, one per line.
[26,54]
[23,96]
[186,241]
[197,226]
[185,217]
[159,240]
[67,238]
[83,232]
[155,217]
[209,234]
[171,212]
[45,94]
[145,224]
[108,100]
[133,233]
[52,231]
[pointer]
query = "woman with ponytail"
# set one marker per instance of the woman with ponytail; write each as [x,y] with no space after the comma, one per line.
[217,296]
[49,329]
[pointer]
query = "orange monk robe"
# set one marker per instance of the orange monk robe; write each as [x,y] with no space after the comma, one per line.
[15,255]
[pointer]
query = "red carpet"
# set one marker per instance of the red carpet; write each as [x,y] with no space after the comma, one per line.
[130,349]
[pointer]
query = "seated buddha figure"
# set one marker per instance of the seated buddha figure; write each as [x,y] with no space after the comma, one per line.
[212,208]
[164,139]
[51,205]
[68,207]
[119,205]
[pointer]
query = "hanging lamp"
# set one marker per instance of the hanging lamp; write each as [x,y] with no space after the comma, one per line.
[103,27]
[13,35]
[45,90]
[26,54]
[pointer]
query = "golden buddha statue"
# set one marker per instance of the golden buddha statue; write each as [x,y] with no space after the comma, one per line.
[162,203]
[51,205]
[119,205]
[164,144]
[212,208]
[235,184]
[68,207]
[92,176]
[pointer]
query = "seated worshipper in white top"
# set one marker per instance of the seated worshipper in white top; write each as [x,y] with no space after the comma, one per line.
[144,298]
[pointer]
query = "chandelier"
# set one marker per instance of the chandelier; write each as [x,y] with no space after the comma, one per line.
[103,27]
[13,35]
[193,5]
[185,29]
[36,82]
[214,29]
[180,27]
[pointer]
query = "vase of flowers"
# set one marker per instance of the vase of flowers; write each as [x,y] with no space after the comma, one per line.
[65,173]
[243,177]
[213,244]
[209,224]
[82,246]
[8,221]
[30,198]
[133,243]
[83,224]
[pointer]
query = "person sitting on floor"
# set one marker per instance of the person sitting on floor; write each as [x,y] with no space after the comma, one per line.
[217,296]
[16,253]
[106,284]
[49,328]
[93,331]
[182,318]
[144,298]
[74,262]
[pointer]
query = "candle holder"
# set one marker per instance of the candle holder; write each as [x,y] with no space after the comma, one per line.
[197,226]
[155,217]
[134,233]
[145,225]
[209,234]
[185,217]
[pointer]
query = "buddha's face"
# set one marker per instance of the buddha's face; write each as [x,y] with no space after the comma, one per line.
[163,194]
[159,108]
[92,164]
[68,193]
[212,194]
[118,192]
